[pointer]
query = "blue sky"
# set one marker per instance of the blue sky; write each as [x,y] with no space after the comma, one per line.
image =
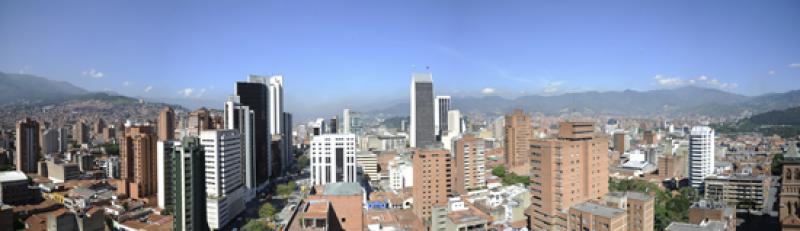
[341,53]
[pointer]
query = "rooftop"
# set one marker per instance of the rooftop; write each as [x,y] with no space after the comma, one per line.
[342,189]
[598,210]
[8,176]
[706,226]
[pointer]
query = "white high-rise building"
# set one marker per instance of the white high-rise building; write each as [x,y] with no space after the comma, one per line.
[453,129]
[241,118]
[224,186]
[401,174]
[164,171]
[346,123]
[275,104]
[440,119]
[333,158]
[422,116]
[701,155]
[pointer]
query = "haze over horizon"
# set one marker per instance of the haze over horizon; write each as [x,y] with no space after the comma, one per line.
[335,56]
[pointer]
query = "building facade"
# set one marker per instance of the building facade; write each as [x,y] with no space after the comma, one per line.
[701,155]
[138,161]
[188,187]
[432,180]
[27,144]
[470,164]
[166,124]
[440,107]
[422,115]
[518,135]
[223,178]
[333,158]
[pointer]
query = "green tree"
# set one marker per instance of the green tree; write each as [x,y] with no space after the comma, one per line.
[777,165]
[256,225]
[302,161]
[267,211]
[499,171]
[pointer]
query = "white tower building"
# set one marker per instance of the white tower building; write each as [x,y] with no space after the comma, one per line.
[701,155]
[333,158]
[224,187]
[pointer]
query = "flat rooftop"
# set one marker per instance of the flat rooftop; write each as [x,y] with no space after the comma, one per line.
[598,210]
[9,176]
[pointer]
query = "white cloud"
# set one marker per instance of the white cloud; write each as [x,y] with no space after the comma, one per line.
[186,92]
[93,73]
[665,81]
[200,93]
[148,88]
[488,91]
[794,65]
[126,83]
[771,72]
[553,87]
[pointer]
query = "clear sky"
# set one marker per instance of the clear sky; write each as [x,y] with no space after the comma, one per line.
[357,52]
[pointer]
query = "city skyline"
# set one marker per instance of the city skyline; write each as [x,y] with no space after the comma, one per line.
[193,53]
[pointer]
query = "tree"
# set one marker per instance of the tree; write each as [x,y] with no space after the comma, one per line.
[267,211]
[302,162]
[499,171]
[285,189]
[777,165]
[256,225]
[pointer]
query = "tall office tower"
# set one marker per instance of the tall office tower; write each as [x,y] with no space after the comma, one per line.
[470,164]
[422,125]
[440,107]
[276,104]
[80,133]
[519,131]
[223,178]
[98,126]
[198,121]
[255,95]
[333,158]
[165,171]
[166,124]
[566,170]
[333,126]
[188,187]
[242,119]
[63,139]
[346,123]
[789,200]
[432,180]
[49,141]
[288,141]
[138,161]
[701,155]
[27,144]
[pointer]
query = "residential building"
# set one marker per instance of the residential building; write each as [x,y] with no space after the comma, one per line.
[50,141]
[368,162]
[198,121]
[639,208]
[165,167]
[701,155]
[166,124]
[741,191]
[188,188]
[518,135]
[593,216]
[422,115]
[457,215]
[333,158]
[138,161]
[703,211]
[223,178]
[433,173]
[27,144]
[401,174]
[469,165]
[566,170]
[80,132]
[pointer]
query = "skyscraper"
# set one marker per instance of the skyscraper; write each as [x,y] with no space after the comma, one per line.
[223,178]
[50,141]
[333,158]
[165,170]
[275,104]
[138,161]
[470,164]
[701,155]
[440,107]
[188,187]
[255,95]
[242,119]
[346,123]
[80,132]
[566,170]
[287,141]
[518,133]
[333,126]
[166,124]
[27,144]
[422,116]
[432,180]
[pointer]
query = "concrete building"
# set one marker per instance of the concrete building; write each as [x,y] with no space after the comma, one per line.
[27,144]
[789,200]
[704,211]
[422,114]
[60,172]
[566,170]
[701,155]
[740,191]
[639,208]
[165,171]
[457,215]
[347,122]
[454,129]
[333,125]
[241,118]
[14,188]
[622,142]
[441,105]
[593,216]
[333,158]
[198,121]
[368,162]
[138,161]
[432,180]
[166,124]
[223,179]
[518,135]
[255,94]
[469,167]
[649,137]
[188,188]
[112,167]
[80,132]
[50,141]
[401,174]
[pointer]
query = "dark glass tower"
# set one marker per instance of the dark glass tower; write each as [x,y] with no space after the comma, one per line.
[422,126]
[254,94]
